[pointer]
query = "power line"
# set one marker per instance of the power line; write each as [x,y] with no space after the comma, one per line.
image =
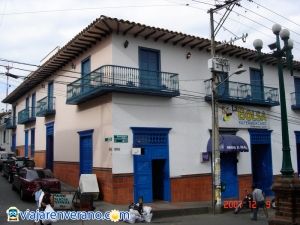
[267,18]
[3,13]
[275,13]
[79,9]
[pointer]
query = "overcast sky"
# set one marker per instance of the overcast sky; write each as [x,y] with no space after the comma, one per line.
[30,29]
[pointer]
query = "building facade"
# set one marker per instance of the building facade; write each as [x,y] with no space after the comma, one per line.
[119,85]
[5,134]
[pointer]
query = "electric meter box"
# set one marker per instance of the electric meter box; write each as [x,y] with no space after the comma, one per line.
[218,64]
[136,151]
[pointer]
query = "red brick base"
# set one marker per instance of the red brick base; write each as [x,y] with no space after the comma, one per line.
[191,188]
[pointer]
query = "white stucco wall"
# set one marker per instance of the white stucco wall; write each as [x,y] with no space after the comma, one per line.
[69,119]
[189,115]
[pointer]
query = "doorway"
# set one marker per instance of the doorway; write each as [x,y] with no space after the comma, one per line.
[49,152]
[229,175]
[298,159]
[262,176]
[159,179]
[49,145]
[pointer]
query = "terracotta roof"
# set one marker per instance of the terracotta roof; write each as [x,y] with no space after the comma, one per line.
[104,26]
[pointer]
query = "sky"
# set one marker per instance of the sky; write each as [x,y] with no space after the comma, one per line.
[30,29]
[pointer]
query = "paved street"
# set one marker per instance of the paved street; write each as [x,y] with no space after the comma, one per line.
[11,198]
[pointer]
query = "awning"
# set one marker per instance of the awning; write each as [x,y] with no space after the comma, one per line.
[230,143]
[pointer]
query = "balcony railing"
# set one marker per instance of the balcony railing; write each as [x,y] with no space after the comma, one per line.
[45,106]
[11,123]
[295,97]
[244,93]
[26,116]
[122,79]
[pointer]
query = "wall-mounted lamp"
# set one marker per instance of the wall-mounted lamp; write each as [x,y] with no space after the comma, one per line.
[43,86]
[28,95]
[73,66]
[126,44]
[16,104]
[188,55]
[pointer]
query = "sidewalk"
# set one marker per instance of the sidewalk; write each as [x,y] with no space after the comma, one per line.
[162,209]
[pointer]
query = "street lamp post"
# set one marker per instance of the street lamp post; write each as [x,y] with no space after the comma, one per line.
[287,169]
[286,189]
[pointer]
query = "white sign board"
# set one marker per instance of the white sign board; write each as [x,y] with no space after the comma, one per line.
[62,201]
[234,116]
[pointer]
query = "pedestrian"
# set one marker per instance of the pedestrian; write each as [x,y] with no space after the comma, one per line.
[258,200]
[47,200]
[37,193]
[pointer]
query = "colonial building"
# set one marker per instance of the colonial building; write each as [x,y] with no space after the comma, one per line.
[119,85]
[5,134]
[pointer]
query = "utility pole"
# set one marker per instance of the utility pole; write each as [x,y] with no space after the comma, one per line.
[7,68]
[216,157]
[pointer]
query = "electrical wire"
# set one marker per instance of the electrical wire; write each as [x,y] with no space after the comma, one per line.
[80,9]
[274,12]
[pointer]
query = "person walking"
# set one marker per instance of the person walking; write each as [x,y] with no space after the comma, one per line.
[47,200]
[37,193]
[258,200]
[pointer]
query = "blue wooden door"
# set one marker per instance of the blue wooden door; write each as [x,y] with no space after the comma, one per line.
[86,155]
[298,158]
[85,69]
[143,177]
[32,143]
[26,143]
[223,88]
[229,175]
[49,147]
[149,62]
[263,176]
[256,81]
[50,96]
[297,90]
[33,105]
[13,145]
[49,152]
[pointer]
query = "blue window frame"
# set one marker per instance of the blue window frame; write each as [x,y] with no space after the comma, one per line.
[149,60]
[297,90]
[256,81]
[50,95]
[86,151]
[32,146]
[27,102]
[33,98]
[85,69]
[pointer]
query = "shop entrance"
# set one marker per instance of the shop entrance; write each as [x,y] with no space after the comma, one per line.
[262,167]
[229,175]
[151,168]
[159,179]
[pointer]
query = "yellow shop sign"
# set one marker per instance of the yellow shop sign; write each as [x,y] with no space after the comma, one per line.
[243,117]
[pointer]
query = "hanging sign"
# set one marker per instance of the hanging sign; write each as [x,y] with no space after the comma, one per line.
[234,116]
